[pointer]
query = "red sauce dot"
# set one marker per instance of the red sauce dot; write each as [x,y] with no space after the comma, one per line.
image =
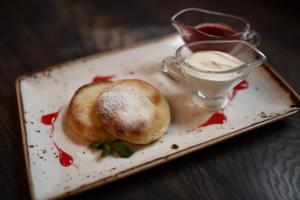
[49,119]
[216,118]
[98,79]
[241,86]
[64,158]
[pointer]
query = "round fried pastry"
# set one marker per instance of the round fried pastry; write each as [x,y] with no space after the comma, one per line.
[81,118]
[133,111]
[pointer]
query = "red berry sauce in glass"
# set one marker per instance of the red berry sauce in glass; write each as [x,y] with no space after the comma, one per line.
[208,31]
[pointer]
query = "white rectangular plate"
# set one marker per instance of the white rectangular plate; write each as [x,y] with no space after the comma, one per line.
[267,99]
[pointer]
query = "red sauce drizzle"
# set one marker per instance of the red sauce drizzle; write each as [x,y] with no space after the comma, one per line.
[241,86]
[49,120]
[64,158]
[216,118]
[219,117]
[98,79]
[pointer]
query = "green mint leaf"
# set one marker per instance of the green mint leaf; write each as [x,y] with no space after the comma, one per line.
[97,145]
[106,150]
[122,149]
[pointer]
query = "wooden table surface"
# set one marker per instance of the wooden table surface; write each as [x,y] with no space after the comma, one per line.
[262,164]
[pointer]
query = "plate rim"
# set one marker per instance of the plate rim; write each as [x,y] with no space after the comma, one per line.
[152,163]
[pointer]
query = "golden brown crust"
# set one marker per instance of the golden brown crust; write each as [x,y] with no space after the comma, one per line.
[81,117]
[134,111]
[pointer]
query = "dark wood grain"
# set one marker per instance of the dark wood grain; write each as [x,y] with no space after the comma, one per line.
[263,164]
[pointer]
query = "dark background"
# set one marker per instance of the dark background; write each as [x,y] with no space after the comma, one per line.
[263,164]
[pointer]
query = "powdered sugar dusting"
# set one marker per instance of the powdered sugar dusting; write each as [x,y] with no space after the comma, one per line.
[130,105]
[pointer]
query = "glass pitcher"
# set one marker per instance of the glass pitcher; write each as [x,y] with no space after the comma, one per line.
[195,24]
[213,87]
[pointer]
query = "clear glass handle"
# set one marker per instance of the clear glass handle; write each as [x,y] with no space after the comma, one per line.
[171,68]
[253,38]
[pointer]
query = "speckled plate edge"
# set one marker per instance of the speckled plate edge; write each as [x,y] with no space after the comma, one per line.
[277,78]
